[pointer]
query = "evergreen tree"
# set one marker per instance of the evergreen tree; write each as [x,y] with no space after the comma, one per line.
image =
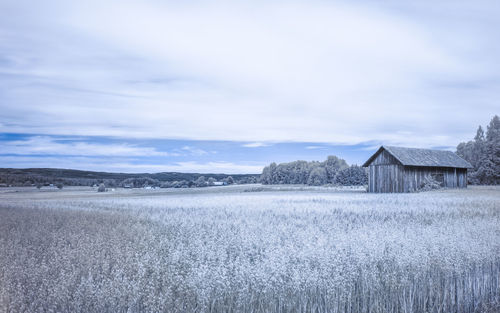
[352,176]
[332,166]
[479,147]
[489,169]
[484,154]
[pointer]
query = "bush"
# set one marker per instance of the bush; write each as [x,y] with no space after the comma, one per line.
[429,183]
[102,188]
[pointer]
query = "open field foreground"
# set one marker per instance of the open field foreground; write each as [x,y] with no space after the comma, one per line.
[249,249]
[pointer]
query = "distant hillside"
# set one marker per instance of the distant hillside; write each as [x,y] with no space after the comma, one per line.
[33,176]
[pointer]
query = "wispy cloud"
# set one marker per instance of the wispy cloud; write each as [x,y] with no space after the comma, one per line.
[207,86]
[255,145]
[194,150]
[128,166]
[307,71]
[43,145]
[136,155]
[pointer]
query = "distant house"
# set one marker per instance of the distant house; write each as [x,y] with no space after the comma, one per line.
[398,169]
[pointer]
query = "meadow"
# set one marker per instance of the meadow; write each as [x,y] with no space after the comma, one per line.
[249,248]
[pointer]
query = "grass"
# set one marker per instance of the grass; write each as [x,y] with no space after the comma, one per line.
[238,249]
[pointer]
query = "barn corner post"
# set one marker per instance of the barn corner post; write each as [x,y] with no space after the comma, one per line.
[399,169]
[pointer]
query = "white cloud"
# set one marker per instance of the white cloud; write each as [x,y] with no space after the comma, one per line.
[255,145]
[326,72]
[194,150]
[42,145]
[125,166]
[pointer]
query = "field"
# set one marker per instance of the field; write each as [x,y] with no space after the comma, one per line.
[249,249]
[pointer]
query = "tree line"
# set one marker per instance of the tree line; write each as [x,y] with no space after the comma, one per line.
[483,153]
[59,178]
[333,170]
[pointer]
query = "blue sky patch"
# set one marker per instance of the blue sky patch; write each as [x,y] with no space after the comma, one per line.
[153,155]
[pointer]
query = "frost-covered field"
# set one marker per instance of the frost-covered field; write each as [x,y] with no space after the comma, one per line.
[249,249]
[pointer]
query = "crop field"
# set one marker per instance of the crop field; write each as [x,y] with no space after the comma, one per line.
[249,248]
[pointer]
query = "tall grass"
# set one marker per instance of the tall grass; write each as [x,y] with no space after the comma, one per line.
[298,251]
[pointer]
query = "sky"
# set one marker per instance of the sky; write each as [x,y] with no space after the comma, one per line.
[230,86]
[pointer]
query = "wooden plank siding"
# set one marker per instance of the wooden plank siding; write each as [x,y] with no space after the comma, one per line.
[386,174]
[452,177]
[384,158]
[386,178]
[394,169]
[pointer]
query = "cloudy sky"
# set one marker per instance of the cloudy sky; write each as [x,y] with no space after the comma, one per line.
[229,86]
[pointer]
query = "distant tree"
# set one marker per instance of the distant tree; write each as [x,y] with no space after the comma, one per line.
[59,185]
[110,183]
[166,184]
[229,180]
[102,188]
[267,174]
[299,172]
[211,181]
[352,176]
[484,154]
[251,180]
[317,177]
[200,182]
[332,166]
[136,182]
[175,184]
[39,185]
[489,168]
[479,138]
[181,184]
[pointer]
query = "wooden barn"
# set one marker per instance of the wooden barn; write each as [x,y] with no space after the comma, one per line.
[398,169]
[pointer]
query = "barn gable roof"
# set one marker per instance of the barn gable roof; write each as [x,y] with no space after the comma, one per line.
[422,157]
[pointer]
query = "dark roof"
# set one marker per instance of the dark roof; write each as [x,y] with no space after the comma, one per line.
[422,157]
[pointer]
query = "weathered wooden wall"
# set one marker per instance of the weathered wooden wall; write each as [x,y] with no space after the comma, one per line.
[384,158]
[452,177]
[386,178]
[462,177]
[386,174]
